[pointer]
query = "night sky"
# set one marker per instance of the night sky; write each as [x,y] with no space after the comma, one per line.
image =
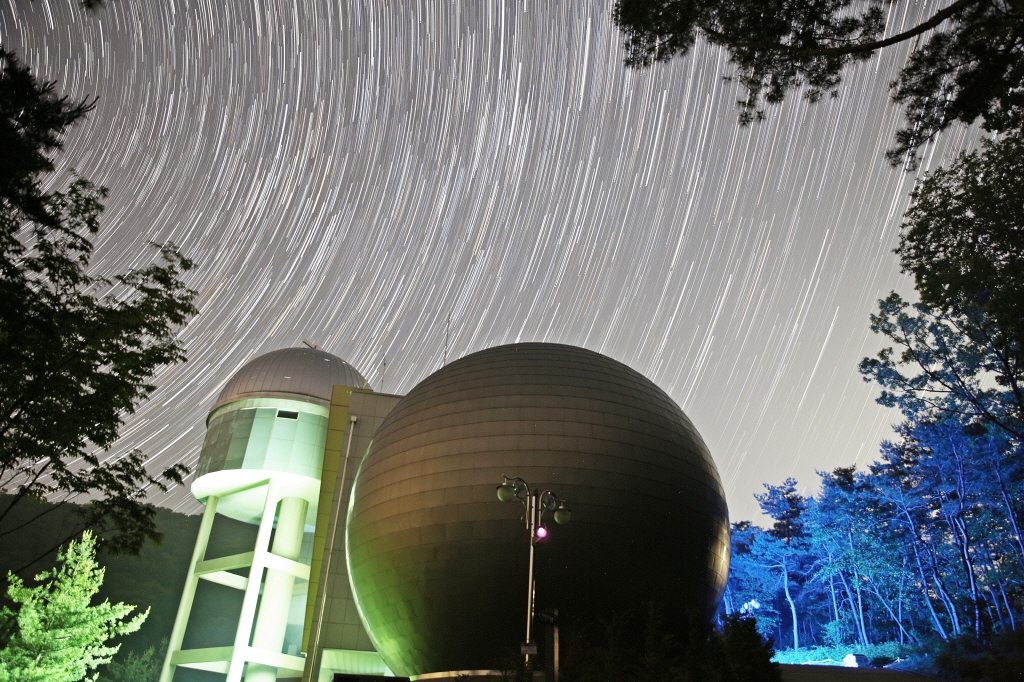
[352,173]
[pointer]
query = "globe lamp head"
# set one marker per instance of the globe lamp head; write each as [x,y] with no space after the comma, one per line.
[506,493]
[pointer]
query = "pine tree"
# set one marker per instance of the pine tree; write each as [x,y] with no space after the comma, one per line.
[58,635]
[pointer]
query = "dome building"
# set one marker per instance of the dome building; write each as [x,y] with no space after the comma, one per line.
[382,548]
[437,561]
[277,454]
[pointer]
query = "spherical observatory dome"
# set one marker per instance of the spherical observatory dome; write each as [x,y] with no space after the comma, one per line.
[291,372]
[439,565]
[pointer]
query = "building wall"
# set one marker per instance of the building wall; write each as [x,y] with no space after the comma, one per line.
[333,621]
[337,432]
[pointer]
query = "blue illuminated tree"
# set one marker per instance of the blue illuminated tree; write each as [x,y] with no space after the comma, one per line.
[783,551]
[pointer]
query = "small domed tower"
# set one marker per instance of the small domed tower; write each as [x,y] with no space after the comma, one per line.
[262,464]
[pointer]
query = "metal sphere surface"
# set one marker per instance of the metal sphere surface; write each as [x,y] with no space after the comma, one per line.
[439,565]
[302,373]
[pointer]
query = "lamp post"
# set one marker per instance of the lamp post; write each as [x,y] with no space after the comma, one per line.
[536,504]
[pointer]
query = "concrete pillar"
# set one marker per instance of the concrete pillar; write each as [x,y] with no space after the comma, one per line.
[278,588]
[252,590]
[188,594]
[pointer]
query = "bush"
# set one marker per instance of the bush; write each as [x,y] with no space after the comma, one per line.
[649,646]
[998,660]
[878,654]
[745,654]
[136,667]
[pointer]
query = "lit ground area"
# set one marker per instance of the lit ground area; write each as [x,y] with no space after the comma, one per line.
[824,673]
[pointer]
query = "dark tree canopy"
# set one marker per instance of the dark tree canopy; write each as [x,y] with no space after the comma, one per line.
[77,350]
[963,241]
[961,348]
[32,122]
[967,60]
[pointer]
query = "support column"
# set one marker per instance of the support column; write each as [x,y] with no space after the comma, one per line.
[252,590]
[189,592]
[278,589]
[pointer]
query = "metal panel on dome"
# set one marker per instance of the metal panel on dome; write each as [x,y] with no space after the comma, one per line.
[439,566]
[307,372]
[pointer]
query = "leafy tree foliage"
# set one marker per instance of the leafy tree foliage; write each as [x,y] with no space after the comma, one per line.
[923,545]
[961,348]
[58,635]
[963,241]
[785,506]
[77,350]
[967,59]
[136,667]
[947,362]
[752,586]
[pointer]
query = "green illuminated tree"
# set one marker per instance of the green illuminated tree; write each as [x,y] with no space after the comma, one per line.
[136,667]
[58,635]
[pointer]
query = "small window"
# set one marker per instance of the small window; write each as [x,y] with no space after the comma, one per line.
[287,415]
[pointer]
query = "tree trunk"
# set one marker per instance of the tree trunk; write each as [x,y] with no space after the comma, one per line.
[860,611]
[940,589]
[1010,512]
[1006,603]
[856,583]
[892,614]
[956,518]
[958,521]
[915,538]
[835,605]
[963,545]
[857,610]
[792,606]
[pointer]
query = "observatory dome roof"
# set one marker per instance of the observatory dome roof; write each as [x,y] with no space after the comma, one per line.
[291,372]
[427,532]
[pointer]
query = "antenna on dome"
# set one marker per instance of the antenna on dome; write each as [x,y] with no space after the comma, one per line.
[384,374]
[311,344]
[447,332]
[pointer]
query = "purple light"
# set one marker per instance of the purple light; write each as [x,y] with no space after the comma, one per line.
[542,532]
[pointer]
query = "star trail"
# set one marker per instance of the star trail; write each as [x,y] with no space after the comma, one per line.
[353,173]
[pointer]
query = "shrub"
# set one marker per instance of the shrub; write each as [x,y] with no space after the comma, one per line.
[649,646]
[965,658]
